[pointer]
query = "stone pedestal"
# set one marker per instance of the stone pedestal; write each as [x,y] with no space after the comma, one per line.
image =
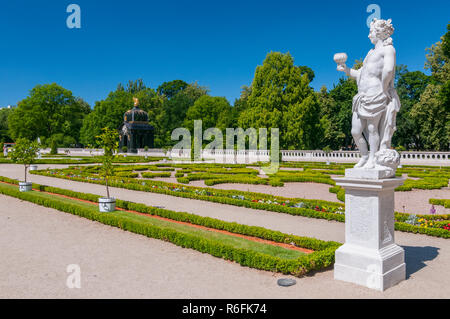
[369,256]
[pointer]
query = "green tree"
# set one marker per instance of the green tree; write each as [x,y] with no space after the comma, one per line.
[410,86]
[49,109]
[173,112]
[213,111]
[4,130]
[446,42]
[336,112]
[282,98]
[308,71]
[132,86]
[172,88]
[445,90]
[334,137]
[24,152]
[240,105]
[109,142]
[110,111]
[431,113]
[340,113]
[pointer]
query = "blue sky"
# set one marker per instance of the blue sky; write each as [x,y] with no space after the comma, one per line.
[217,43]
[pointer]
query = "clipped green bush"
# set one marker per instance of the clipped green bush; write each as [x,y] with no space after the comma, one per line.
[440,202]
[152,175]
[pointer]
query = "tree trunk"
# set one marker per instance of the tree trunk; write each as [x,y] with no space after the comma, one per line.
[25,173]
[107,189]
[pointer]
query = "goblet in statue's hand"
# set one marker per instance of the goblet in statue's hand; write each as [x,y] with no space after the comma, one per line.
[340,59]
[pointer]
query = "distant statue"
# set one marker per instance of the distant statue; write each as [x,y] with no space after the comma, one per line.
[376,105]
[39,155]
[136,101]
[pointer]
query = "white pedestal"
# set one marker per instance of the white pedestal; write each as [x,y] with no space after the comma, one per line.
[369,256]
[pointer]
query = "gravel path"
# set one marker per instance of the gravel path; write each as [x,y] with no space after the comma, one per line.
[38,244]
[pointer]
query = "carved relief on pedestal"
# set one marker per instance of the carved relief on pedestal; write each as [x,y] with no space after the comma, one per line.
[387,237]
[360,222]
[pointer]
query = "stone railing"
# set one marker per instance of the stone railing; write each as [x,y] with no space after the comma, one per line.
[406,158]
[151,152]
[97,151]
[240,157]
[252,156]
[75,151]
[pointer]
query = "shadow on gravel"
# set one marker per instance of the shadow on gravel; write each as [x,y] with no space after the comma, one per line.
[415,257]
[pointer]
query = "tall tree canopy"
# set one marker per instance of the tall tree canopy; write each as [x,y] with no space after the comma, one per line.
[170,89]
[4,131]
[410,86]
[109,112]
[174,109]
[338,114]
[282,98]
[212,111]
[49,110]
[431,113]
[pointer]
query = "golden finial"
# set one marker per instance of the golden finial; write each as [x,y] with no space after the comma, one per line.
[136,101]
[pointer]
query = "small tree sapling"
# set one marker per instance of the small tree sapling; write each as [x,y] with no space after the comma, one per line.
[25,153]
[109,142]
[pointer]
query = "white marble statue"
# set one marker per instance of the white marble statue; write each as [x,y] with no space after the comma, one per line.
[376,105]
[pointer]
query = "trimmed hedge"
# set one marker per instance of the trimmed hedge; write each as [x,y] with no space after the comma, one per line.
[339,191]
[440,202]
[435,232]
[425,183]
[152,175]
[321,258]
[126,174]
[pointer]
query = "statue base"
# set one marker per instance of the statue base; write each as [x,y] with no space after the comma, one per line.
[369,173]
[369,256]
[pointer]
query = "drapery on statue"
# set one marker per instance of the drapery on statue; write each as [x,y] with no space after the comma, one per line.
[376,105]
